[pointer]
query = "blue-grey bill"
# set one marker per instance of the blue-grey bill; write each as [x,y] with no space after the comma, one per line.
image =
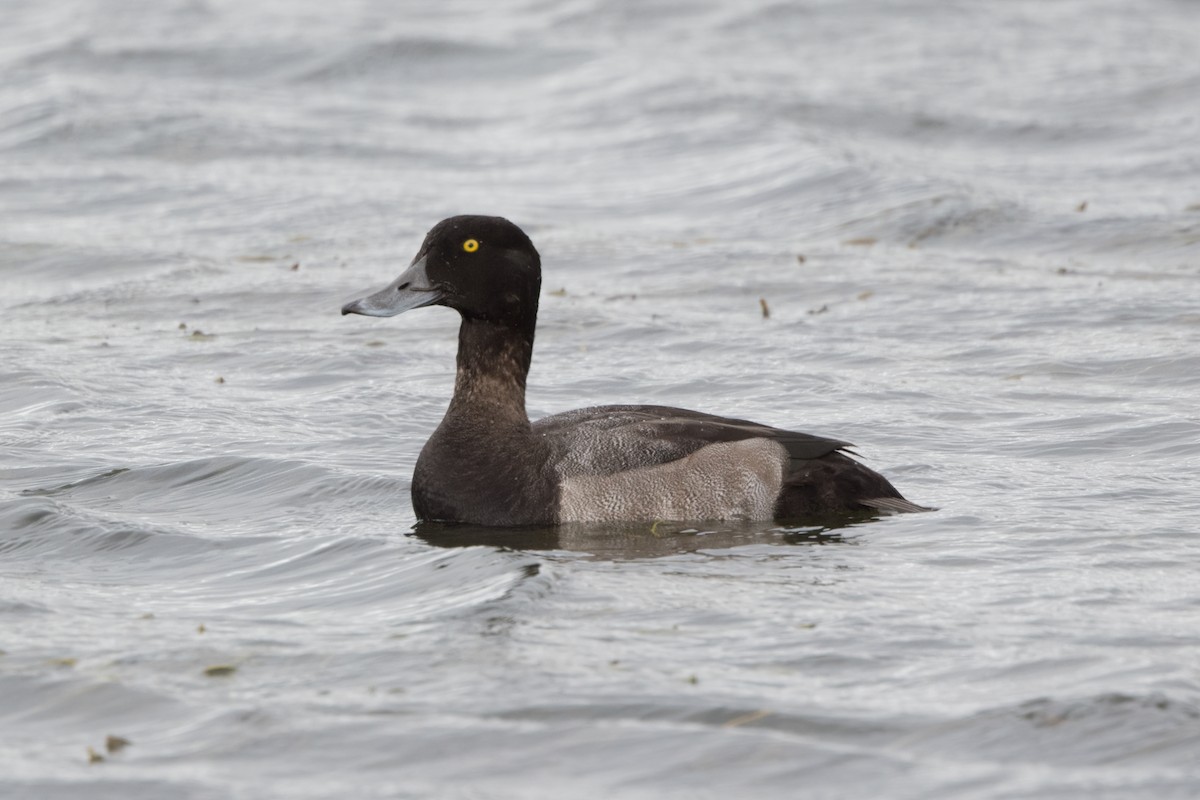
[411,290]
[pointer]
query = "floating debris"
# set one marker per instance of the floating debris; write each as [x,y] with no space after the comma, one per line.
[93,756]
[766,310]
[820,310]
[183,326]
[201,336]
[219,379]
[800,259]
[115,744]
[67,662]
[200,628]
[746,719]
[296,267]
[220,670]
[376,343]
[867,295]
[256,259]
[1082,206]
[558,293]
[861,241]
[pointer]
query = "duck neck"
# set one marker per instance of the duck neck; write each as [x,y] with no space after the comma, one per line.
[493,363]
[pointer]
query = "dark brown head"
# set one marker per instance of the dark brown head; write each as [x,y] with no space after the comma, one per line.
[483,267]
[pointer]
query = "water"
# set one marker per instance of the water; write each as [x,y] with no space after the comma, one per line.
[206,542]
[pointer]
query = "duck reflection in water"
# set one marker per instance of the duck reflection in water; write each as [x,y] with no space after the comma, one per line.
[624,542]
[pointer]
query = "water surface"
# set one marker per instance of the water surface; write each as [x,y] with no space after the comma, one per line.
[976,228]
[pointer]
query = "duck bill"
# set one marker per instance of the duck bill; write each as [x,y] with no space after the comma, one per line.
[412,289]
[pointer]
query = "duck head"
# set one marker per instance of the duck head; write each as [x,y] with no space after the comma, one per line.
[485,268]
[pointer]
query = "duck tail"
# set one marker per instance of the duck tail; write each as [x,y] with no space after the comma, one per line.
[894,505]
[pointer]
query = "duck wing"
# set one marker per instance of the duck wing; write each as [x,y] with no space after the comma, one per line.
[603,440]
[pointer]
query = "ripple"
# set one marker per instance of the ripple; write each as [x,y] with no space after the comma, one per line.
[440,59]
[1149,730]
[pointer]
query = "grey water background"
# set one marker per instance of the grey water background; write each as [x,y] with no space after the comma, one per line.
[976,227]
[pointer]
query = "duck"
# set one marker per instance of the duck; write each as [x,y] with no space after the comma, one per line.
[488,464]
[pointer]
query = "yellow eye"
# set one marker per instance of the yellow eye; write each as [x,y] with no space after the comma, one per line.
[470,245]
